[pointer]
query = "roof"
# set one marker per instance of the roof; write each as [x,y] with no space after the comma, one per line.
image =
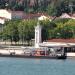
[53,44]
[58,43]
[73,15]
[35,15]
[23,15]
[62,40]
[65,15]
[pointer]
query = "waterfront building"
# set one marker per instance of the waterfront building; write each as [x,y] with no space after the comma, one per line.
[67,45]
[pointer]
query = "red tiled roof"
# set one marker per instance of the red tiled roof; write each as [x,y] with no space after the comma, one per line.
[73,15]
[28,15]
[35,15]
[65,15]
[62,40]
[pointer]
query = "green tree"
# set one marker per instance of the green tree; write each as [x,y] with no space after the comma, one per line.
[65,29]
[47,29]
[11,31]
[51,10]
[26,30]
[71,25]
[66,32]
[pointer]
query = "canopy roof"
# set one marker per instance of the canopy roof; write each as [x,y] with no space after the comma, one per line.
[53,44]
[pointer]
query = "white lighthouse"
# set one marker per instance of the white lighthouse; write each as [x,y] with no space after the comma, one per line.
[38,29]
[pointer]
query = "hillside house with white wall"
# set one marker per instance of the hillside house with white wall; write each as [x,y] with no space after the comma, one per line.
[5,13]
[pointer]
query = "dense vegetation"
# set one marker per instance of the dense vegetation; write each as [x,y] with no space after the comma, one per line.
[23,30]
[19,30]
[52,7]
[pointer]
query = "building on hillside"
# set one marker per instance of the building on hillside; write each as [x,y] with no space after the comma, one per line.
[17,14]
[8,14]
[73,16]
[67,16]
[2,20]
[23,15]
[42,17]
[5,13]
[36,15]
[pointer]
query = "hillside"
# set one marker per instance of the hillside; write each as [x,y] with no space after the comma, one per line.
[52,7]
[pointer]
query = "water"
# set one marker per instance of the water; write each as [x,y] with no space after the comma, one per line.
[20,66]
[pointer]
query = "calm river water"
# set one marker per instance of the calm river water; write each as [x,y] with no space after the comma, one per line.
[21,66]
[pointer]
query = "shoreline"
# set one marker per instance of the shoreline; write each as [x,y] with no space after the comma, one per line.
[18,52]
[21,54]
[33,57]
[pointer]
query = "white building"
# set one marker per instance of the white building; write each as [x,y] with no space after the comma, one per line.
[43,17]
[2,20]
[8,15]
[5,13]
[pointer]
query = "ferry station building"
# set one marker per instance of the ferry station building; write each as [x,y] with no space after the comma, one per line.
[67,44]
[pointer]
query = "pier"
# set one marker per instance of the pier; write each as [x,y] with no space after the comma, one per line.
[30,52]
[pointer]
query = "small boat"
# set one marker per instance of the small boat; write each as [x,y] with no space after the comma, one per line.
[38,53]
